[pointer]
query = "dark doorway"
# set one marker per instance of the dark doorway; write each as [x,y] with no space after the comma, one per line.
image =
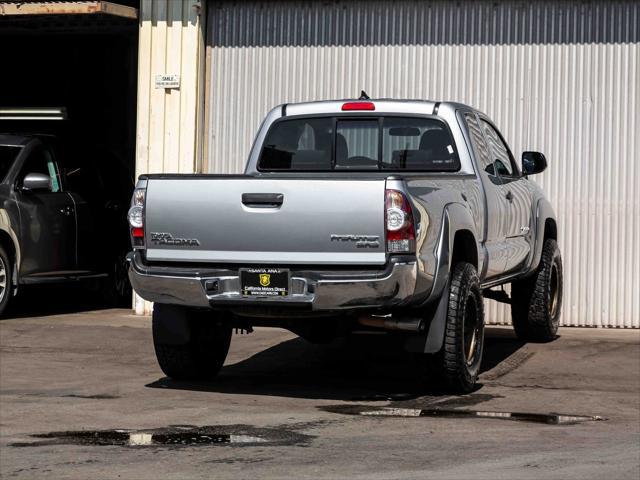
[87,66]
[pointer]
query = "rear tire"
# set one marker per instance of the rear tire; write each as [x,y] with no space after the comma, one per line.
[536,301]
[203,353]
[5,280]
[458,363]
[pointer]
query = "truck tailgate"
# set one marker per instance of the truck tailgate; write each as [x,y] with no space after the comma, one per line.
[265,221]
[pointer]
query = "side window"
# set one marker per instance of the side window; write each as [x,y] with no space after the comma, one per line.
[504,163]
[479,144]
[41,161]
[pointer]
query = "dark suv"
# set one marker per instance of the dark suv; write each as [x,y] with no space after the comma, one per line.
[62,216]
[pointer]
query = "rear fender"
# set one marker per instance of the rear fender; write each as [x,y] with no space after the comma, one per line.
[456,218]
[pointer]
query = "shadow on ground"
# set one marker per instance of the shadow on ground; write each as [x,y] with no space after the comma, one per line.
[55,299]
[366,369]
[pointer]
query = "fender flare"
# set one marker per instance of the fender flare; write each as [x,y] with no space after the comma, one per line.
[544,212]
[7,232]
[456,217]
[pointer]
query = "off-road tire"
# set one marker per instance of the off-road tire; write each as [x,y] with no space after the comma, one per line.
[202,357]
[5,278]
[536,301]
[457,365]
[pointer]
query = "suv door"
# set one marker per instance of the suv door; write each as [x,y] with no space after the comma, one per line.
[47,219]
[495,229]
[84,187]
[516,190]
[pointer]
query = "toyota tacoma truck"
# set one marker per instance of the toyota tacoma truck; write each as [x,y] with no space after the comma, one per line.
[387,215]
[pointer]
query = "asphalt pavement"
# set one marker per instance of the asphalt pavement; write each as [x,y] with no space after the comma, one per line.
[81,396]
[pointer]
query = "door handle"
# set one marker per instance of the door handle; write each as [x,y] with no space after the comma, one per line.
[509,196]
[262,200]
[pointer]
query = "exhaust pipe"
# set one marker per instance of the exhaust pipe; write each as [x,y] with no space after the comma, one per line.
[414,325]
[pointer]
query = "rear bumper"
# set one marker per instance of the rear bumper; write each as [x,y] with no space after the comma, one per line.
[314,290]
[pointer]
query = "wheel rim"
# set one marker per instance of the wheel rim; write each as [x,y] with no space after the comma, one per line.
[471,329]
[554,291]
[3,279]
[120,275]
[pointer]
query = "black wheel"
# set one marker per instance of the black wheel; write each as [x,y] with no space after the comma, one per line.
[115,290]
[189,345]
[458,363]
[5,280]
[536,301]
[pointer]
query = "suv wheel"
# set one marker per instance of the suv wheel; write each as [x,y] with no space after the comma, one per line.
[458,362]
[536,301]
[189,344]
[5,280]
[115,290]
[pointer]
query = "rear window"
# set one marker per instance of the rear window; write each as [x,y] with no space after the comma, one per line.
[372,143]
[8,153]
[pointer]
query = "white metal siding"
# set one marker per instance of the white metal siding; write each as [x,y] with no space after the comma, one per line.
[170,43]
[558,77]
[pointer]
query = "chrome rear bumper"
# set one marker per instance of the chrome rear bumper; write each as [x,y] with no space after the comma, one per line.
[317,290]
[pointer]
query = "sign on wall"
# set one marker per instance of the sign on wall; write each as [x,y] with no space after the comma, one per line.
[168,81]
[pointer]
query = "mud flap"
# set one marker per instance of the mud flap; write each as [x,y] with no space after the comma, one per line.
[171,324]
[432,342]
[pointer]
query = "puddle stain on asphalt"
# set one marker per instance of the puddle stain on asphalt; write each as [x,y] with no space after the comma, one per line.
[177,436]
[372,411]
[60,394]
[100,396]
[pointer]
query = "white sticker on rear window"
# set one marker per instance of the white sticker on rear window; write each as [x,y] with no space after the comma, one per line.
[450,149]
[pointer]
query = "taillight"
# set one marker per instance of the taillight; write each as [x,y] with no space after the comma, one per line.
[136,218]
[401,233]
[358,106]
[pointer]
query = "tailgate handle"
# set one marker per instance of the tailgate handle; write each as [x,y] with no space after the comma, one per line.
[262,200]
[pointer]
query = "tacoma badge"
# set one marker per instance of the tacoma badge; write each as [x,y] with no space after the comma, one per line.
[160,238]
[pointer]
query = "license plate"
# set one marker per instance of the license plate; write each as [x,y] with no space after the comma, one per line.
[264,282]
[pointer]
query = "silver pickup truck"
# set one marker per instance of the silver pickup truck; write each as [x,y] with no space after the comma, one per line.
[386,215]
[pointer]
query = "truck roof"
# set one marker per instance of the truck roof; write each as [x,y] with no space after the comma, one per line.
[382,105]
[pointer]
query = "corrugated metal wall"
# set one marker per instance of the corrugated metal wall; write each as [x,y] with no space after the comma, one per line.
[169,130]
[559,77]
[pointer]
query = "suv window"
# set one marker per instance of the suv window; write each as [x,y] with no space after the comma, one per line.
[504,163]
[372,143]
[8,154]
[40,160]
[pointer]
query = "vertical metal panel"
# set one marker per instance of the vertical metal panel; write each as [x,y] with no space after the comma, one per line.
[559,77]
[170,42]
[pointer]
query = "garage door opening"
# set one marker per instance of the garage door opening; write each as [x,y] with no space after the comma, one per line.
[82,63]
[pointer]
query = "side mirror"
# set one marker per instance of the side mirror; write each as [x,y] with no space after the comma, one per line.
[36,181]
[533,162]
